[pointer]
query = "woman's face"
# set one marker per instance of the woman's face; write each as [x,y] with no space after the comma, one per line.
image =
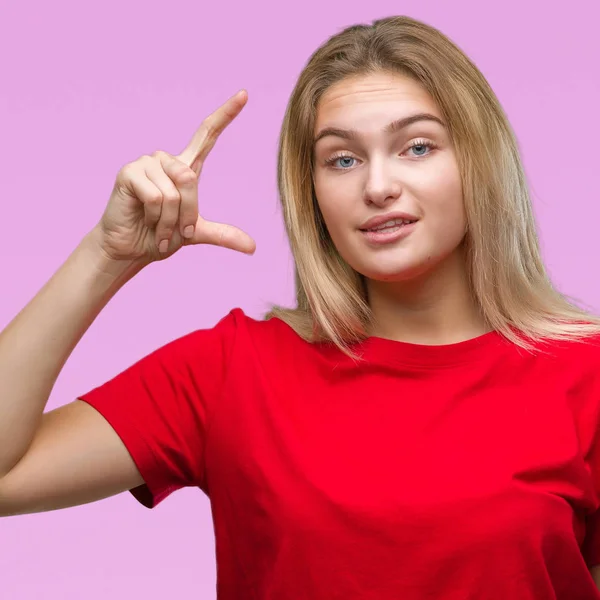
[405,176]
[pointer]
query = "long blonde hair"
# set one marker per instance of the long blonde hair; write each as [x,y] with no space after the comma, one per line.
[505,268]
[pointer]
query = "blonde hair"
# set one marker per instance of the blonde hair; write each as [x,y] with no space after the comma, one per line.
[506,272]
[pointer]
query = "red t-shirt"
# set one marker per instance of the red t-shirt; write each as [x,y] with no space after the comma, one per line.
[469,470]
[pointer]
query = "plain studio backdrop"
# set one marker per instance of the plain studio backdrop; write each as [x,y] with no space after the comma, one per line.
[87,87]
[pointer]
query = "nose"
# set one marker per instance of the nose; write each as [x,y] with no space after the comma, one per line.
[383,185]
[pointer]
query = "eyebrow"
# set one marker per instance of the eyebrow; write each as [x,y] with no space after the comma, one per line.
[393,127]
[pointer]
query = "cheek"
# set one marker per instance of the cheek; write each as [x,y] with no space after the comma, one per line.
[335,206]
[443,204]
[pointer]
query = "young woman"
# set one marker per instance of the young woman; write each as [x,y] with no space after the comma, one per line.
[424,424]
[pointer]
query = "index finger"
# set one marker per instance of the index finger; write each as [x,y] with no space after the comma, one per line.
[209,131]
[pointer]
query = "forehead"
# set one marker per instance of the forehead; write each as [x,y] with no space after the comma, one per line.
[383,95]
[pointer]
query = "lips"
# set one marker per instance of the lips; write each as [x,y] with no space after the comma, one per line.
[388,232]
[390,220]
[391,224]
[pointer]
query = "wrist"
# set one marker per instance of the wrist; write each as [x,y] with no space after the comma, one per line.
[99,260]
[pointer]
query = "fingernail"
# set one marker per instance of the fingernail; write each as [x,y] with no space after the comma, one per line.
[163,246]
[188,232]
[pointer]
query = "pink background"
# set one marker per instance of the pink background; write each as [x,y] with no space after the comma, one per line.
[87,87]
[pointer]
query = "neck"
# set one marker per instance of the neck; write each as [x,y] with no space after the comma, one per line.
[433,309]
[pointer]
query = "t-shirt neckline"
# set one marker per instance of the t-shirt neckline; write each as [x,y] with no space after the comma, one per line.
[425,355]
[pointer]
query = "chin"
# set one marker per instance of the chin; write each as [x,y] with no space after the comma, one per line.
[403,264]
[398,272]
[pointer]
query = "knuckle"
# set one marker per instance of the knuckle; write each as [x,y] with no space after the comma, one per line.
[154,198]
[172,197]
[127,171]
[158,154]
[185,176]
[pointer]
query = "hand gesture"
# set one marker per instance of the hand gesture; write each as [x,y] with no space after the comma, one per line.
[153,208]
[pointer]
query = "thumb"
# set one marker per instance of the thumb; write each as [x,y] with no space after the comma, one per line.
[222,234]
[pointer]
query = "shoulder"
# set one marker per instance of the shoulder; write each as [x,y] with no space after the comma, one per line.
[570,368]
[576,361]
[242,330]
[262,333]
[272,345]
[584,351]
[235,333]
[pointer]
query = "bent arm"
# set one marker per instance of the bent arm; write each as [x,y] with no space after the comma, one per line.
[36,344]
[75,458]
[33,350]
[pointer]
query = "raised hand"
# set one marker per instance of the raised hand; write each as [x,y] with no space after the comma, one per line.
[153,208]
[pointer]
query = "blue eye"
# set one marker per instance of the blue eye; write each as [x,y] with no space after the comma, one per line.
[419,146]
[343,157]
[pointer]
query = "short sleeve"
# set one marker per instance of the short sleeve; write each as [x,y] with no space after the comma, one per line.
[161,408]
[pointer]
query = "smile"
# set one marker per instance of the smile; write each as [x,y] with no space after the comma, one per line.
[389,232]
[392,224]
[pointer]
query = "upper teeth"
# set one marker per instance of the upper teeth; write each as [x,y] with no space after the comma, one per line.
[392,223]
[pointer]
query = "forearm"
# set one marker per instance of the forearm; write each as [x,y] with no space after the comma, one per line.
[36,344]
